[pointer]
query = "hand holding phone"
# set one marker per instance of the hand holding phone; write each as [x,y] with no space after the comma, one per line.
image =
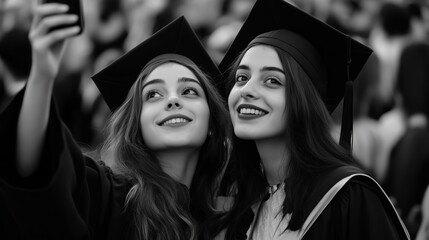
[75,7]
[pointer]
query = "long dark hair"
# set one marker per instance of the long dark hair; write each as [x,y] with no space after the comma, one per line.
[161,207]
[311,146]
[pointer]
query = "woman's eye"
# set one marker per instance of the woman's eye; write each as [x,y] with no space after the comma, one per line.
[272,81]
[152,94]
[190,91]
[240,78]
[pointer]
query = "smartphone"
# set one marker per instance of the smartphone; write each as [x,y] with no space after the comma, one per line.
[75,7]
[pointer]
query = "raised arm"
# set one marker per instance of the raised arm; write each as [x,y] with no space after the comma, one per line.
[47,49]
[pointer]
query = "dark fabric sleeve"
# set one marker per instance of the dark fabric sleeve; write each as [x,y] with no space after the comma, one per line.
[69,197]
[356,212]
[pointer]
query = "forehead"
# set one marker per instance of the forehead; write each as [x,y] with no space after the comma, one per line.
[261,55]
[170,71]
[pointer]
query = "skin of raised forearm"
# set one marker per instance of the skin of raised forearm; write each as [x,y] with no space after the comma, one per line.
[32,123]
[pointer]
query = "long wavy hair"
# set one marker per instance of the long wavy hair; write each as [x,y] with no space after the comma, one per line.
[312,152]
[161,207]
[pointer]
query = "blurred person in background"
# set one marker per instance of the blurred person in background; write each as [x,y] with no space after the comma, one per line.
[15,14]
[419,11]
[390,33]
[225,28]
[353,17]
[142,18]
[15,63]
[105,25]
[407,176]
[202,15]
[15,21]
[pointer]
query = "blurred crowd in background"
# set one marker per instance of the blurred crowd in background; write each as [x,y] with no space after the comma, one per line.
[391,95]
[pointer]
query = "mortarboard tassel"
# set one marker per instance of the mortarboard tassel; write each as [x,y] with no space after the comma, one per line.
[347,116]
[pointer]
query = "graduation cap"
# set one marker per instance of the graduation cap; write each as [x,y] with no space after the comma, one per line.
[177,37]
[319,49]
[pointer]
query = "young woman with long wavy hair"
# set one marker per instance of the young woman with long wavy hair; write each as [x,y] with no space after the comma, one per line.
[287,177]
[165,146]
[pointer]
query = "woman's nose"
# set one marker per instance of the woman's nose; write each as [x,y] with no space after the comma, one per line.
[173,103]
[249,90]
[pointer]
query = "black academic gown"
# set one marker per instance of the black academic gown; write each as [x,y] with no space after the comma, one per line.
[360,210]
[69,197]
[408,174]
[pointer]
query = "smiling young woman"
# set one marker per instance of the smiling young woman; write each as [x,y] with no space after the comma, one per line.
[174,110]
[287,177]
[257,101]
[166,143]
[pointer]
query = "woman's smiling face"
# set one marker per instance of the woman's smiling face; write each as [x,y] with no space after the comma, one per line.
[257,102]
[175,111]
